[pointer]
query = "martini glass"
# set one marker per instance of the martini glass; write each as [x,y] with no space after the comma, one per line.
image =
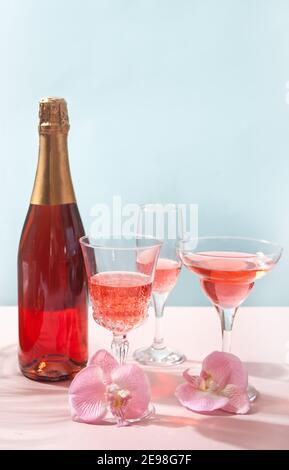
[227,268]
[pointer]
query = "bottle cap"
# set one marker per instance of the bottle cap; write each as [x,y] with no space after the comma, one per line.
[53,116]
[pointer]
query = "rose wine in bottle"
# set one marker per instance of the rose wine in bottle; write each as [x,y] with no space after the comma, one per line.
[52,287]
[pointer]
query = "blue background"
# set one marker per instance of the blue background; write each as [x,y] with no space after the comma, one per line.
[169,100]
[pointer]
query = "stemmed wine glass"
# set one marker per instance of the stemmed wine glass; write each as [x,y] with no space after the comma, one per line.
[163,222]
[227,268]
[119,291]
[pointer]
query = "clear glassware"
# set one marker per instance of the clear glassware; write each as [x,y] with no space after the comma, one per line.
[227,268]
[165,223]
[120,292]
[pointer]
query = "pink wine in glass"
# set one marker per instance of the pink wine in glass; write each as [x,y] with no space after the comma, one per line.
[52,288]
[120,299]
[227,277]
[167,273]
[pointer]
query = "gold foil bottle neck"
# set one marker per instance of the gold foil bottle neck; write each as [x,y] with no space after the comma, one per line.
[53,184]
[53,116]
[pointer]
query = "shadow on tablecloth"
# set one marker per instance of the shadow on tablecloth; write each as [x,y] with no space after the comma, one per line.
[31,412]
[267,370]
[245,434]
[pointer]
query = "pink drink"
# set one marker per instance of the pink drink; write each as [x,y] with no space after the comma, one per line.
[120,299]
[227,277]
[167,273]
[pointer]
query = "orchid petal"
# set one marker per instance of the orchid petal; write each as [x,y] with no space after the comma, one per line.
[197,400]
[132,379]
[225,368]
[238,400]
[193,380]
[105,361]
[87,396]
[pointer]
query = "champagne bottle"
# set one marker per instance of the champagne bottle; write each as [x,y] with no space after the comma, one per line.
[52,287]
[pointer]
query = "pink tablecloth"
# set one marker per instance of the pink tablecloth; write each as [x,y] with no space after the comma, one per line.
[36,416]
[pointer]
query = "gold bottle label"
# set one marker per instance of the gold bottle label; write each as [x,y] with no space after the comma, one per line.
[53,184]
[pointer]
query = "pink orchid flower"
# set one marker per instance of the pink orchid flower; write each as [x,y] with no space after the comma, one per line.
[105,386]
[222,384]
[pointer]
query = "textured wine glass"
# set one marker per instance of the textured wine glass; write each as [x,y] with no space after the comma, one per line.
[119,291]
[227,268]
[163,222]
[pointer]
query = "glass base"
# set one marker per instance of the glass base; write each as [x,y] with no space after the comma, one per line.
[160,357]
[148,414]
[252,393]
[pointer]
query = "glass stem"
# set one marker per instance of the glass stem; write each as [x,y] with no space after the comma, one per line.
[159,301]
[227,316]
[119,348]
